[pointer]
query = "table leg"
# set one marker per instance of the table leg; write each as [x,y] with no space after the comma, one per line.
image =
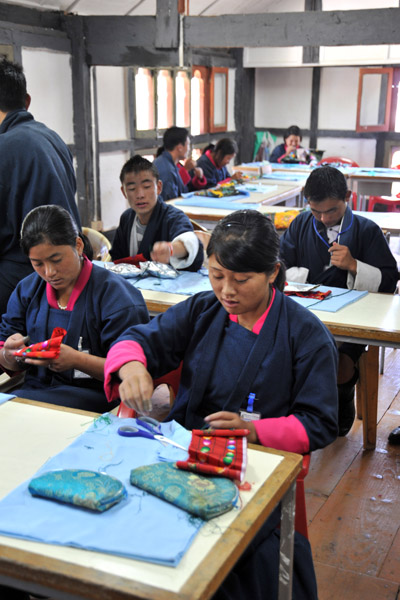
[369,377]
[288,509]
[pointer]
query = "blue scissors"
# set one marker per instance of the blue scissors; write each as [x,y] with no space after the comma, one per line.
[150,433]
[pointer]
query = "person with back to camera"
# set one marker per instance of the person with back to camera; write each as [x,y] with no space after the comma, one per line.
[92,304]
[215,159]
[36,168]
[151,228]
[330,245]
[292,141]
[238,339]
[175,179]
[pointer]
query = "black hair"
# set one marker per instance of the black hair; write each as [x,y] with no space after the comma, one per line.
[137,164]
[325,182]
[175,136]
[246,241]
[51,224]
[12,86]
[223,148]
[292,130]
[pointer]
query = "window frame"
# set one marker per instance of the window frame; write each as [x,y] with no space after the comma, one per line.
[213,128]
[386,124]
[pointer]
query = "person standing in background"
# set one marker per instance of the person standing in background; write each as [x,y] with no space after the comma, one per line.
[36,168]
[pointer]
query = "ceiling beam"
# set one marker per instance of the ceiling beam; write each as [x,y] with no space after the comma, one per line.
[310,28]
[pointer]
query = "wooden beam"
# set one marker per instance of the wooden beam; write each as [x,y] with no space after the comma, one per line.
[167,24]
[311,28]
[30,16]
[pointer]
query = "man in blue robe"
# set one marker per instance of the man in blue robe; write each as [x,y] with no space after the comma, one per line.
[152,229]
[36,168]
[330,245]
[176,147]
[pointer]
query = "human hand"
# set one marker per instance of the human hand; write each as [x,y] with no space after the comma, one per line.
[342,258]
[198,171]
[67,359]
[230,420]
[12,344]
[189,164]
[136,388]
[237,176]
[161,252]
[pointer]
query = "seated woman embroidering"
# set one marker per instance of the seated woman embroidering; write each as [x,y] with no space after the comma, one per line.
[67,291]
[245,337]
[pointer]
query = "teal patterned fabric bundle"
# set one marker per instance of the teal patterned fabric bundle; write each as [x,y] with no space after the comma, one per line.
[205,497]
[89,489]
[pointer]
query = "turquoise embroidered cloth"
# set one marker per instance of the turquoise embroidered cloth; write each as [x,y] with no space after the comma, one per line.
[79,487]
[141,526]
[205,497]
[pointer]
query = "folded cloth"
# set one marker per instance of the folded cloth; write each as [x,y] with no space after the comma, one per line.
[48,349]
[316,295]
[205,497]
[220,452]
[89,489]
[131,260]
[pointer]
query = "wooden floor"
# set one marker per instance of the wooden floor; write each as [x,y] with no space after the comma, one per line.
[353,506]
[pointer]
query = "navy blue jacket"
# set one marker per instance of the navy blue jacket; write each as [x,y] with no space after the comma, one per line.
[166,223]
[301,247]
[211,172]
[35,168]
[173,185]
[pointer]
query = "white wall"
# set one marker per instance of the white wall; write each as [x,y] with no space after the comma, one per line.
[49,82]
[113,203]
[283,97]
[112,103]
[338,98]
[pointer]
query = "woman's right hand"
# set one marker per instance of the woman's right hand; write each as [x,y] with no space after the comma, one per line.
[12,344]
[136,388]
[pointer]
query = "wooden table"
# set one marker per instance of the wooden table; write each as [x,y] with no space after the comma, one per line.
[30,432]
[374,321]
[284,192]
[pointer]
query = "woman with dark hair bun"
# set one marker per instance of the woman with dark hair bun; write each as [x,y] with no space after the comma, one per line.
[244,337]
[92,304]
[215,159]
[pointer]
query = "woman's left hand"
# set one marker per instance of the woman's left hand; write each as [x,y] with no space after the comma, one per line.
[66,360]
[238,175]
[230,420]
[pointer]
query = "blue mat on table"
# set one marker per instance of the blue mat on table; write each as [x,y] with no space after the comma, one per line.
[228,202]
[338,299]
[186,283]
[141,526]
[6,397]
[282,176]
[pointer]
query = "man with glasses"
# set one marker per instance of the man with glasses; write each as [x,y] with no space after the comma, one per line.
[330,245]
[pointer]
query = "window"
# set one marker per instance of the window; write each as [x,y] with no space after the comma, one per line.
[144,100]
[182,99]
[218,99]
[374,99]
[199,97]
[165,99]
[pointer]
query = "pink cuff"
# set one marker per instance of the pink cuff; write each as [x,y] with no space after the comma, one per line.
[118,355]
[199,183]
[283,433]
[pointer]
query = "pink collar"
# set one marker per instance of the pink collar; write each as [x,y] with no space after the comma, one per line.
[258,324]
[76,292]
[209,156]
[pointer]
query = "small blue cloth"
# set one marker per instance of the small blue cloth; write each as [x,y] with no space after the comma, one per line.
[338,299]
[141,526]
[5,398]
[282,176]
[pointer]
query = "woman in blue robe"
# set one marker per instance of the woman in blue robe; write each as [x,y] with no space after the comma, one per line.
[244,337]
[215,159]
[92,304]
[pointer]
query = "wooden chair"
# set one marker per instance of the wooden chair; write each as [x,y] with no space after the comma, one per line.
[100,244]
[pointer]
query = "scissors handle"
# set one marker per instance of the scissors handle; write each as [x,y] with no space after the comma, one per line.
[127,431]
